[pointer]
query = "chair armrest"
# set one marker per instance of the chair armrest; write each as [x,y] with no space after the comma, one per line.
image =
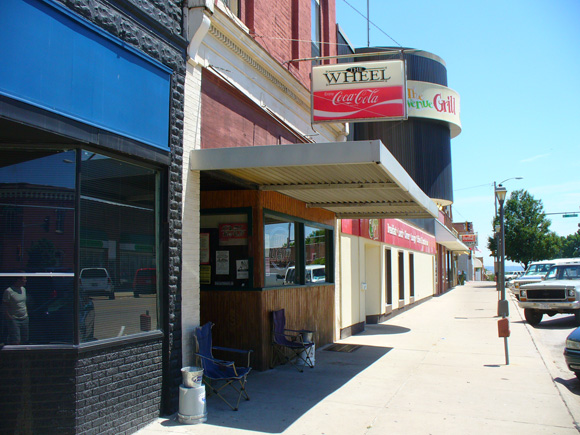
[229,349]
[220,362]
[240,351]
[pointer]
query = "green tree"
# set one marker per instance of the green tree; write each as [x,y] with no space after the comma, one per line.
[527,231]
[570,246]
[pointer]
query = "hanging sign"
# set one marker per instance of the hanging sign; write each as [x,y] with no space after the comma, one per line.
[432,101]
[359,91]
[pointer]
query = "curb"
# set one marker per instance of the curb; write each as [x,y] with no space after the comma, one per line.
[569,399]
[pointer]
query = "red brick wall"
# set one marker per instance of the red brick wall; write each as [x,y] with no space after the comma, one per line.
[284,31]
[229,119]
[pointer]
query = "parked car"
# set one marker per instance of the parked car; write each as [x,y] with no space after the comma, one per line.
[572,352]
[314,273]
[145,282]
[534,273]
[558,292]
[96,281]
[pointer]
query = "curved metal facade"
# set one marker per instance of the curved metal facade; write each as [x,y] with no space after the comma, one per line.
[422,146]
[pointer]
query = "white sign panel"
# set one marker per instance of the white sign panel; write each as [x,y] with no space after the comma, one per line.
[359,91]
[429,100]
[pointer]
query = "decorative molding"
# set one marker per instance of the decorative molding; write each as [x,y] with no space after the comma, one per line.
[246,57]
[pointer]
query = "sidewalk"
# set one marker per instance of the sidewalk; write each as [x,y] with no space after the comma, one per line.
[438,368]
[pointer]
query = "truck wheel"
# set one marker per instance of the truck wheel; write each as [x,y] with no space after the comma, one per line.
[577,375]
[577,317]
[533,317]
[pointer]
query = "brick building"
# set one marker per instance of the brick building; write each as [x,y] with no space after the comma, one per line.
[177,137]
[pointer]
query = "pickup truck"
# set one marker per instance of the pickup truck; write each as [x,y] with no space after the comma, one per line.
[558,292]
[535,273]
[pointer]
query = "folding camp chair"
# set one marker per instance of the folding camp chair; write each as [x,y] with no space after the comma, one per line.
[219,374]
[289,344]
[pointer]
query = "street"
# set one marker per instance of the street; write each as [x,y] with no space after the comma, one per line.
[550,339]
[125,307]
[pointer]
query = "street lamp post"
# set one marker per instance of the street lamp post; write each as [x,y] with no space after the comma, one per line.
[503,307]
[495,199]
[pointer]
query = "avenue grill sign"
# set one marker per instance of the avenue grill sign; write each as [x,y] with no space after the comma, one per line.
[359,91]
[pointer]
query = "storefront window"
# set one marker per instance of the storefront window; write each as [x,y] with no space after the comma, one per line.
[117,280]
[280,251]
[37,222]
[295,252]
[224,255]
[315,243]
[118,262]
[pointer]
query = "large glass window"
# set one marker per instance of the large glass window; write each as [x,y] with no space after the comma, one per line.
[118,271]
[315,244]
[279,251]
[117,279]
[37,222]
[224,253]
[296,253]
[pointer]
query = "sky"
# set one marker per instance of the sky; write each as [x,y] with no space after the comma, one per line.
[515,65]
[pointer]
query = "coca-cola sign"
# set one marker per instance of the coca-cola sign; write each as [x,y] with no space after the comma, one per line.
[359,91]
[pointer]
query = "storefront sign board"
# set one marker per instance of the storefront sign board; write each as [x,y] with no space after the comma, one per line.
[359,91]
[432,101]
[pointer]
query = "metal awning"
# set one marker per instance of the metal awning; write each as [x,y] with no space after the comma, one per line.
[359,179]
[445,237]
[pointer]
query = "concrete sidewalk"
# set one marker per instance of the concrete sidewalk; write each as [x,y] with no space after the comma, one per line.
[438,368]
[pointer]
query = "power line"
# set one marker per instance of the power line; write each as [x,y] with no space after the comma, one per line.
[371,23]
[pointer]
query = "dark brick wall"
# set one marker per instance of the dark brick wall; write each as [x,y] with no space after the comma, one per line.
[59,391]
[116,389]
[37,392]
[155,27]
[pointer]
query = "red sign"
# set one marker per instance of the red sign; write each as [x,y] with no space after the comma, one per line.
[468,238]
[391,231]
[233,234]
[362,90]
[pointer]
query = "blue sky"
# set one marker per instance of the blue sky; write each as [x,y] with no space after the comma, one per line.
[515,65]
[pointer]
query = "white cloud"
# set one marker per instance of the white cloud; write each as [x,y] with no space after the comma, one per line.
[533,158]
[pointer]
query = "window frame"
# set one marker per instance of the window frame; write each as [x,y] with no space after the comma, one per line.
[249,216]
[160,204]
[300,240]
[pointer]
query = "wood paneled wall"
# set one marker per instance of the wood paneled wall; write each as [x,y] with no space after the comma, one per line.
[243,318]
[259,201]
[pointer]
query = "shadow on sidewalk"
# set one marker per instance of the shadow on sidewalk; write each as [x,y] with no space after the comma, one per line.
[572,384]
[282,395]
[383,329]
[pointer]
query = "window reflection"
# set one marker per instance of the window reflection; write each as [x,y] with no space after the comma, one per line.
[37,199]
[315,243]
[117,275]
[117,248]
[280,251]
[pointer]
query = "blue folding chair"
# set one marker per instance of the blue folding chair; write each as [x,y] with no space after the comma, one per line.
[219,374]
[289,344]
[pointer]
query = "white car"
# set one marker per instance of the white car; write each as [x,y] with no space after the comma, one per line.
[314,273]
[96,281]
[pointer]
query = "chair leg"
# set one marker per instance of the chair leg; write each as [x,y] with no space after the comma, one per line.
[289,359]
[241,391]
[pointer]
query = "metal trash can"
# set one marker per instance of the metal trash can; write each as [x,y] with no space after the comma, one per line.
[192,407]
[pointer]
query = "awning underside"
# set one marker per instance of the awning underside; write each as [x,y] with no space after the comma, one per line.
[445,237]
[352,179]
